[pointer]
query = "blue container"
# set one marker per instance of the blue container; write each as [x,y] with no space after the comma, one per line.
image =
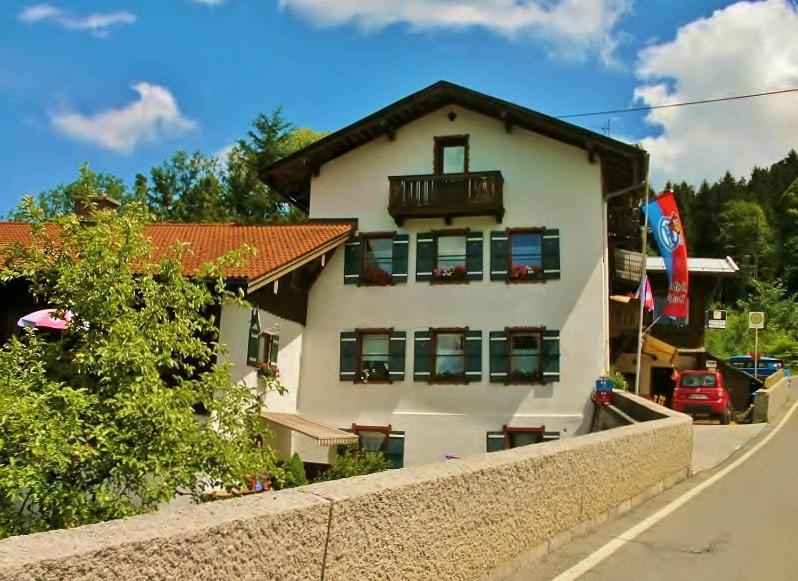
[604,384]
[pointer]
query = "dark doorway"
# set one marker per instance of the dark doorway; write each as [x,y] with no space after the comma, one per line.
[662,383]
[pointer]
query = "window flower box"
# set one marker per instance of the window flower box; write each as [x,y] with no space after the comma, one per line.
[376,276]
[452,273]
[525,272]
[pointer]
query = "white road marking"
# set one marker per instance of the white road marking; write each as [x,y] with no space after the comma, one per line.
[602,553]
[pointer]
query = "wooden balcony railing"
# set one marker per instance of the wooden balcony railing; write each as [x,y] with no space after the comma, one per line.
[446,195]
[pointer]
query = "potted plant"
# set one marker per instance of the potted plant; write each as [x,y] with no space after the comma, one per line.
[525,271]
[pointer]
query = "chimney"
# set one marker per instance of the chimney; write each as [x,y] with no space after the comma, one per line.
[83,204]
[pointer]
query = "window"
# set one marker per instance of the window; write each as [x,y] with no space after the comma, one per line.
[374,363]
[526,256]
[382,439]
[451,154]
[449,354]
[377,259]
[267,348]
[525,355]
[517,437]
[450,257]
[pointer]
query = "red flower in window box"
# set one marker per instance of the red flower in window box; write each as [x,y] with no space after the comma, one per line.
[458,272]
[268,371]
[376,276]
[521,271]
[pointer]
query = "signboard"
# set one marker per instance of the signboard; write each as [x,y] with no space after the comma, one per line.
[716,319]
[712,364]
[756,320]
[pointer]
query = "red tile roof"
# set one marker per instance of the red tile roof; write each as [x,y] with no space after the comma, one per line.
[276,246]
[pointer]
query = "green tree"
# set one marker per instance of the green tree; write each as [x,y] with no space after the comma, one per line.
[745,234]
[188,188]
[59,200]
[99,422]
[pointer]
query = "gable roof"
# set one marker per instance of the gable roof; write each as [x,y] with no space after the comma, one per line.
[279,248]
[623,165]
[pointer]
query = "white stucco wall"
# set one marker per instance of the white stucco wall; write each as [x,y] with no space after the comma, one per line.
[547,183]
[234,334]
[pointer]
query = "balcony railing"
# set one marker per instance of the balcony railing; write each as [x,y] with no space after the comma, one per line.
[446,195]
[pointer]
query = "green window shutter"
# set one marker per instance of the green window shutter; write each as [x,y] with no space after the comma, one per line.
[551,254]
[551,356]
[395,450]
[499,353]
[396,357]
[349,356]
[495,441]
[473,356]
[424,266]
[352,262]
[422,356]
[474,255]
[498,255]
[275,348]
[254,339]
[401,244]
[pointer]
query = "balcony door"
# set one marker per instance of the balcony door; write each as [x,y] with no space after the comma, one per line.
[451,154]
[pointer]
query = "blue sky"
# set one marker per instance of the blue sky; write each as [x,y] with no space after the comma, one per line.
[124,83]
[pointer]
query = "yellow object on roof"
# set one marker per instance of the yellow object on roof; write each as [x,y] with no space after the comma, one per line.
[663,351]
[325,435]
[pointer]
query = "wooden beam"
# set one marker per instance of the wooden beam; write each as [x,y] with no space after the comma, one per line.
[591,152]
[508,124]
[389,129]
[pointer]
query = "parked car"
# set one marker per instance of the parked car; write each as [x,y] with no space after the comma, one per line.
[702,393]
[765,366]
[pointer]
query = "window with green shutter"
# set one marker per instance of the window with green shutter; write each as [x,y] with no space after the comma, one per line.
[515,437]
[395,449]
[268,347]
[396,361]
[382,439]
[551,254]
[551,356]
[349,356]
[422,356]
[524,355]
[495,441]
[525,254]
[424,256]
[401,247]
[473,356]
[352,262]
[254,339]
[474,255]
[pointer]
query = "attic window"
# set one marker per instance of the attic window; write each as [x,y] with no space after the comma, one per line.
[451,154]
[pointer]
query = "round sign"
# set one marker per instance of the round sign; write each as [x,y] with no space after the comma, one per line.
[756,318]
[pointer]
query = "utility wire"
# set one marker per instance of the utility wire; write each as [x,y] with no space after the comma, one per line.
[684,104]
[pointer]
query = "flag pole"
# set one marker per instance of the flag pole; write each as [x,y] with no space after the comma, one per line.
[642,291]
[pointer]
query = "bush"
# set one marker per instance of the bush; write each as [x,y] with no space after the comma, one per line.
[353,462]
[294,472]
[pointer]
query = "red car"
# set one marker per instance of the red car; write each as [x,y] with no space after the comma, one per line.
[702,393]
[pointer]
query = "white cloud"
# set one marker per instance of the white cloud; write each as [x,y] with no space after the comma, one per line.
[748,47]
[568,28]
[97,23]
[210,2]
[154,116]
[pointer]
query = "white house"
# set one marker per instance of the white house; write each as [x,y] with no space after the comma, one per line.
[470,312]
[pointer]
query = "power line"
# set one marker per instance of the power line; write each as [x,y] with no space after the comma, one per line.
[683,104]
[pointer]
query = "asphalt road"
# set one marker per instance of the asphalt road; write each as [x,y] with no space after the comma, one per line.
[743,527]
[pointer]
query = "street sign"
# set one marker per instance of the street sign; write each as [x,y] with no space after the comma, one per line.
[716,319]
[756,320]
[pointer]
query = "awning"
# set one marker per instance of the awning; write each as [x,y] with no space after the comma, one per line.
[325,435]
[660,349]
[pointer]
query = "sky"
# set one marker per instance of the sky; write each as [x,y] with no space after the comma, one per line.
[123,84]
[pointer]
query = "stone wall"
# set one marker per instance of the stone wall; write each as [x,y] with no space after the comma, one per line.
[455,520]
[768,401]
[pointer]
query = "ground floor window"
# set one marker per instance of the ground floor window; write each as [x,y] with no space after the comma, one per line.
[382,439]
[515,437]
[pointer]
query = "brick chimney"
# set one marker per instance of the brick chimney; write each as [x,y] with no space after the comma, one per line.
[83,204]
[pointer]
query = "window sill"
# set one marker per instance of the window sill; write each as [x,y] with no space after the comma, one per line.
[437,281]
[525,280]
[365,283]
[452,381]
[532,382]
[373,382]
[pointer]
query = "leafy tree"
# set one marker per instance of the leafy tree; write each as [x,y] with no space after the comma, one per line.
[745,233]
[59,200]
[188,188]
[98,422]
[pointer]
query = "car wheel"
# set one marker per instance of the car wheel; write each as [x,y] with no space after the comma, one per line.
[725,417]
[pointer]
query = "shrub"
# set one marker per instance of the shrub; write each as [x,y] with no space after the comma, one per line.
[353,462]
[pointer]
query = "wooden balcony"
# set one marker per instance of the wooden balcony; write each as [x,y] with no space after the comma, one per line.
[446,196]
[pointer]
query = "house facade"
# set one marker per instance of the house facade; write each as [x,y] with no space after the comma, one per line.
[470,311]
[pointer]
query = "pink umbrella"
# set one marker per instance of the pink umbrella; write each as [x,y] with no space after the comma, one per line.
[46,319]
